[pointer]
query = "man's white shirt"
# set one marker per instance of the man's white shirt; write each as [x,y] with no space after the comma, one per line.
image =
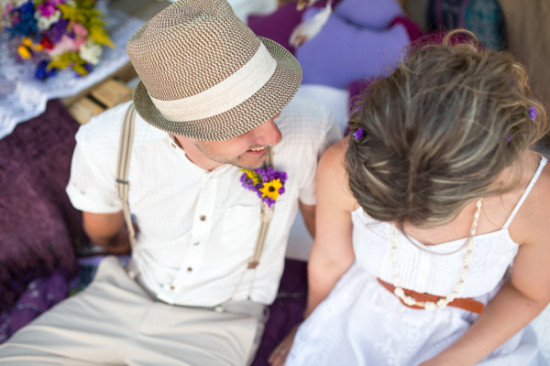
[198,228]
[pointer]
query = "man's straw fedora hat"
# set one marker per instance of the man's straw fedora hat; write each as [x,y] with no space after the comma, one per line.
[205,75]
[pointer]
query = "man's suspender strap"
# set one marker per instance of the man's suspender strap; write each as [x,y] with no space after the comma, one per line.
[122,185]
[267,214]
[123,168]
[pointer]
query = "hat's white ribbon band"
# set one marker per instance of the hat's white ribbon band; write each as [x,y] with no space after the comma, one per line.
[220,98]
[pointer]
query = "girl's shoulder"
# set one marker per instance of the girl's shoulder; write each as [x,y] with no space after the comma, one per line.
[532,221]
[332,177]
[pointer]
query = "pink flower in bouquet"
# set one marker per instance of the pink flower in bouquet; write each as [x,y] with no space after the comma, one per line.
[7,10]
[80,35]
[66,44]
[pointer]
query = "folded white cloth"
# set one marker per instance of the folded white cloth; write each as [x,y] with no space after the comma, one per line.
[243,8]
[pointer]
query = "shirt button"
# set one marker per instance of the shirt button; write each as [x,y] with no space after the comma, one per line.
[189,269]
[174,145]
[172,287]
[195,244]
[202,218]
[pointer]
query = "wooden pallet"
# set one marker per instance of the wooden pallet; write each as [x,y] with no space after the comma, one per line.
[102,96]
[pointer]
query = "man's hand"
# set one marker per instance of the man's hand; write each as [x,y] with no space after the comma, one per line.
[120,243]
[279,354]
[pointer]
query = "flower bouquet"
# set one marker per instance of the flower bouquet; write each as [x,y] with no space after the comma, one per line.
[56,34]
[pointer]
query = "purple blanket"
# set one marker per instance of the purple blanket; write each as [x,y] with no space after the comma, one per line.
[40,295]
[38,225]
[286,311]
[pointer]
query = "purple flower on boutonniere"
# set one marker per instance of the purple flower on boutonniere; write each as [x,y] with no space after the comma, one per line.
[268,183]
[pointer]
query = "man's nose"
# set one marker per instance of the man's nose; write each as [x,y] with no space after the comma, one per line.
[267,134]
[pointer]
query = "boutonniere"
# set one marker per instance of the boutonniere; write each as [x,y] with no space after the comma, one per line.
[268,183]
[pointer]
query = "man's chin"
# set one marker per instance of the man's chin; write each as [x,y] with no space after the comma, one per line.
[248,166]
[249,163]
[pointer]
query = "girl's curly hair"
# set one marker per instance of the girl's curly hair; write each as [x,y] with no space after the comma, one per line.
[439,130]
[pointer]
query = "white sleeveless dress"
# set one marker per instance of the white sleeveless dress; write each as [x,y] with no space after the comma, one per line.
[362,323]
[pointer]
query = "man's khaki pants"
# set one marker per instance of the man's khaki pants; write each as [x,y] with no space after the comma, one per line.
[115,322]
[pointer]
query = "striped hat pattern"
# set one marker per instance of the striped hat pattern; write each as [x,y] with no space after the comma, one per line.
[205,75]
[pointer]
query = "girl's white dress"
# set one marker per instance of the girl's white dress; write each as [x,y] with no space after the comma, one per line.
[362,323]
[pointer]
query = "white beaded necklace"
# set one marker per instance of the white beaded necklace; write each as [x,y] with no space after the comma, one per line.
[429,305]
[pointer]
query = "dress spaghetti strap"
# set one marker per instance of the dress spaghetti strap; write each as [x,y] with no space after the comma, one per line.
[526,193]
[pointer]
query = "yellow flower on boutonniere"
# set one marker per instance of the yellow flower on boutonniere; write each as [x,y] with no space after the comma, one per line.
[271,189]
[251,176]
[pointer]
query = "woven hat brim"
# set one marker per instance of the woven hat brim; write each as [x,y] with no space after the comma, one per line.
[263,105]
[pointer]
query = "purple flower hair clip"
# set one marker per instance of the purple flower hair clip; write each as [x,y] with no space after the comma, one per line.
[508,138]
[358,134]
[532,113]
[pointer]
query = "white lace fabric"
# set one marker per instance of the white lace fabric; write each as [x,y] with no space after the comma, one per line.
[23,97]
